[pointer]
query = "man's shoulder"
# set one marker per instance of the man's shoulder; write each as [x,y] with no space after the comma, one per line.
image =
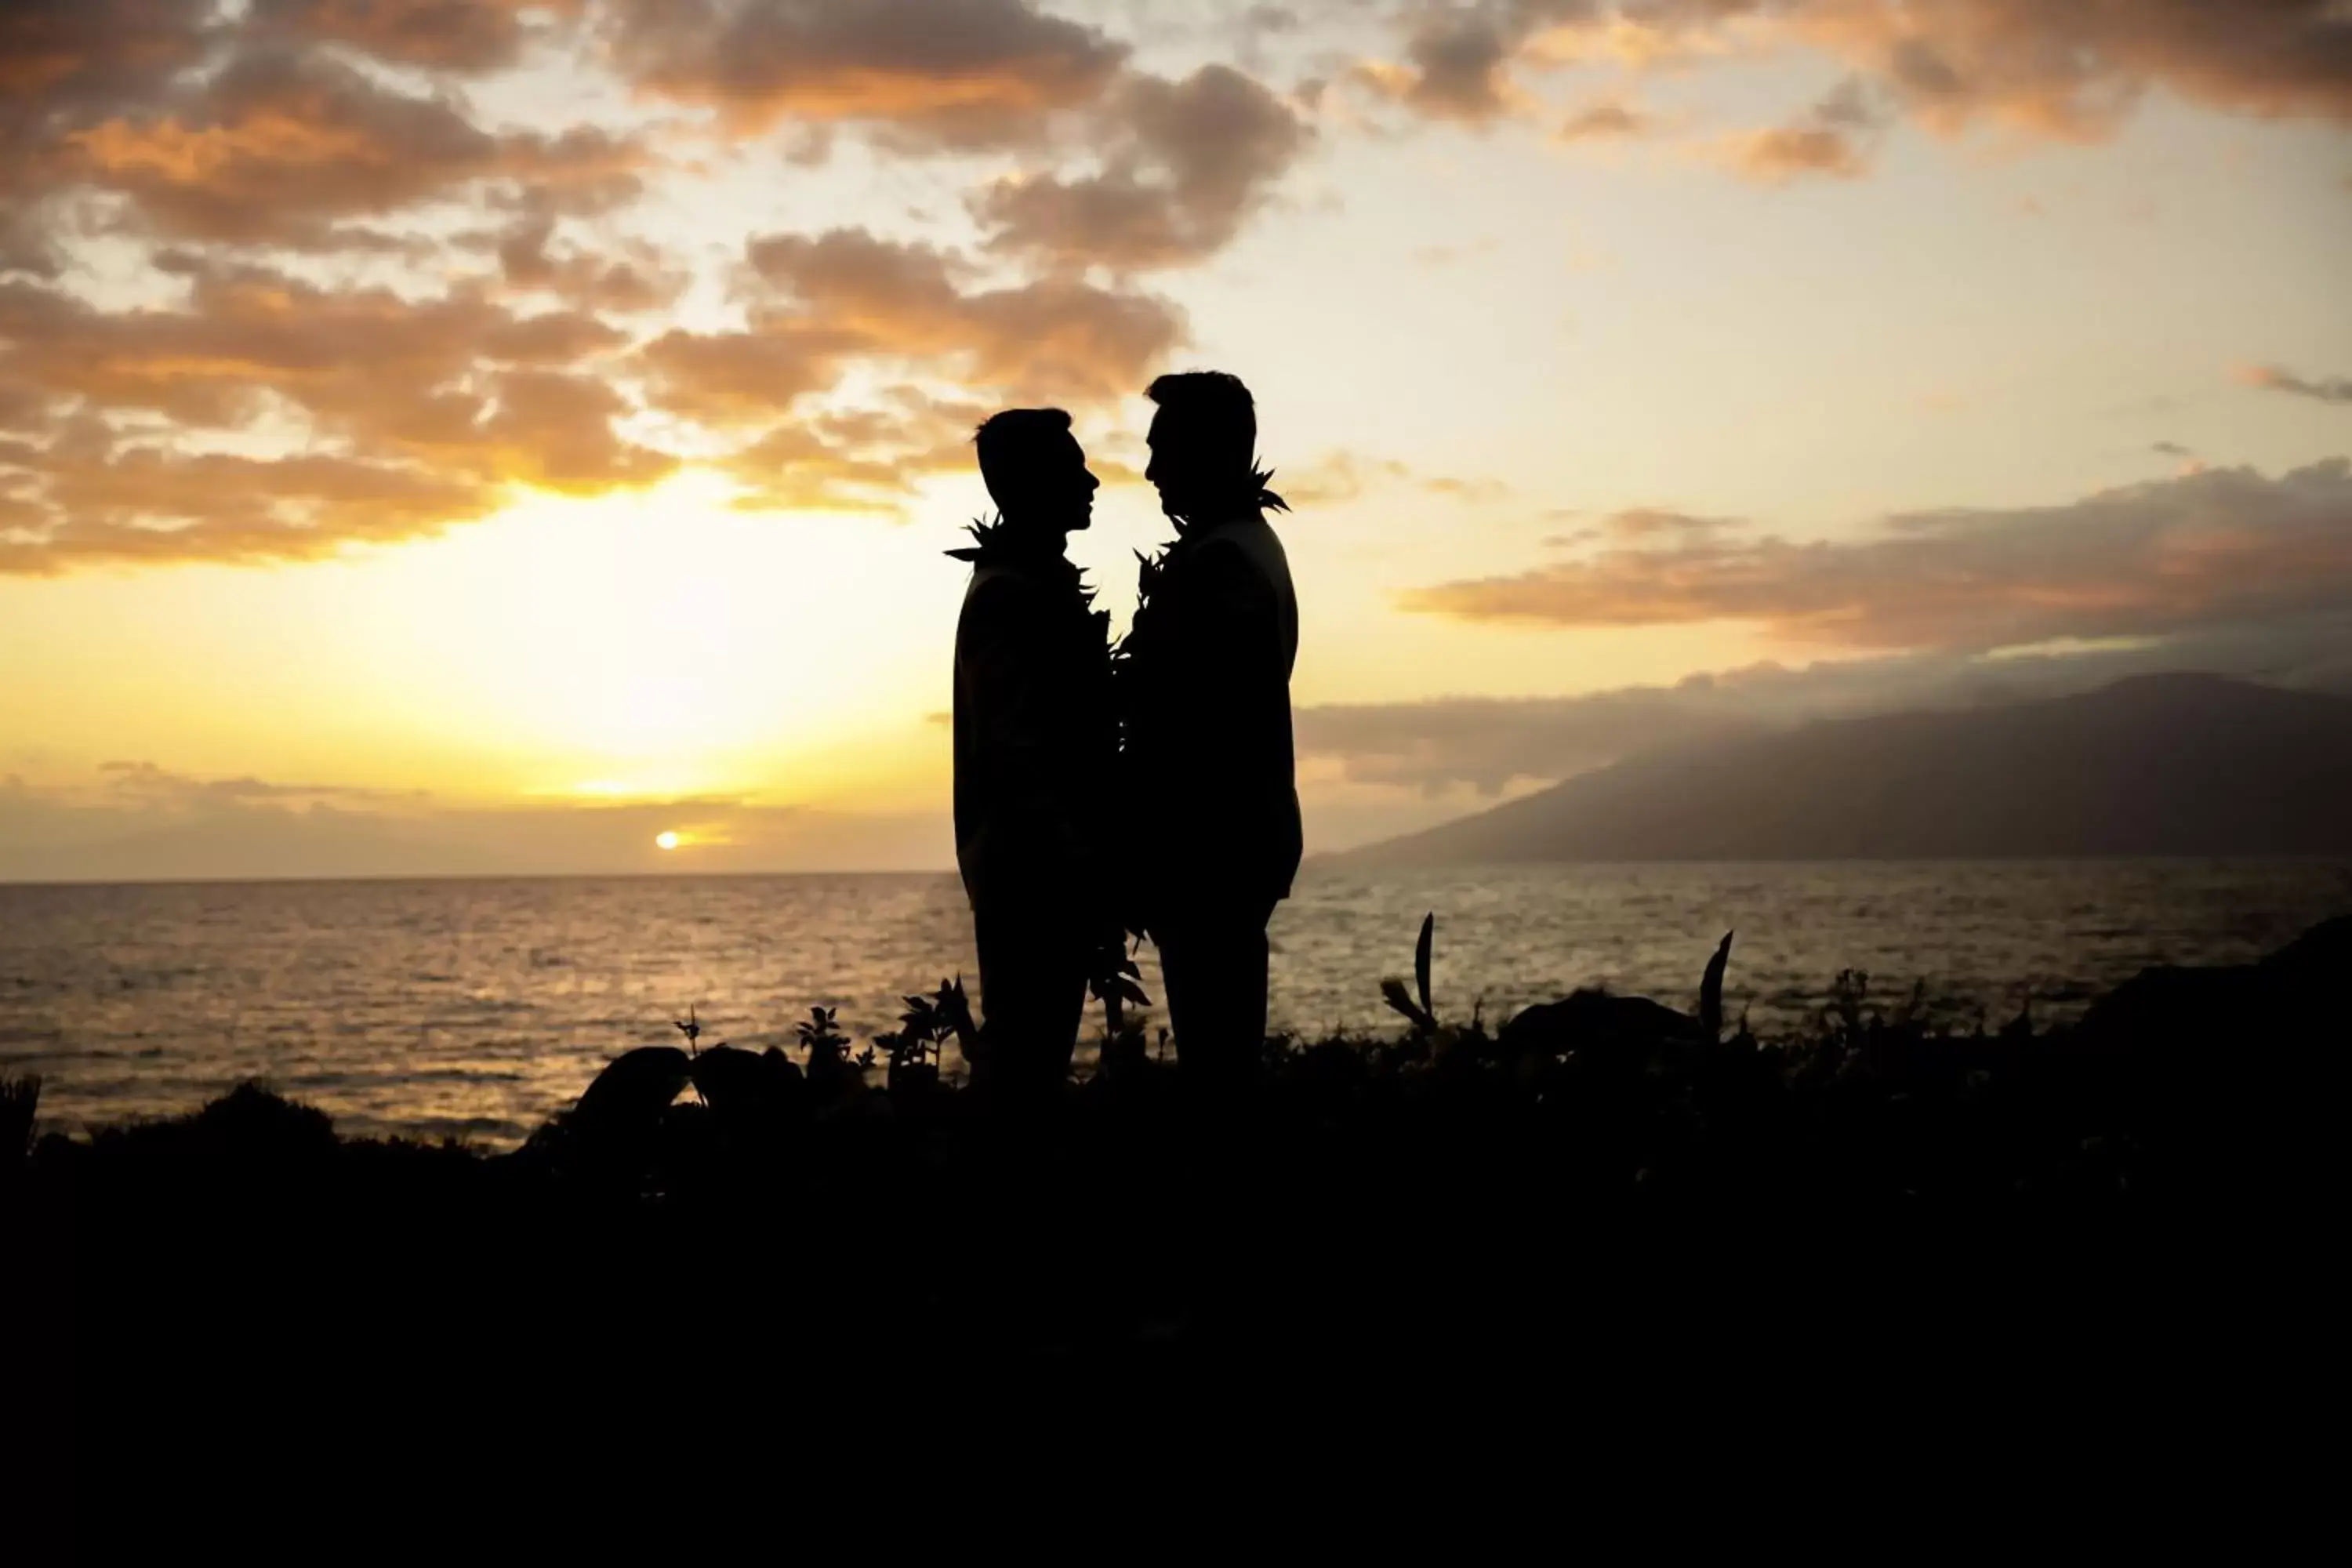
[1005,604]
[1241,556]
[994,586]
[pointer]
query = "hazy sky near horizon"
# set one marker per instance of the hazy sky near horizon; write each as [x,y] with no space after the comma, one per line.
[472,434]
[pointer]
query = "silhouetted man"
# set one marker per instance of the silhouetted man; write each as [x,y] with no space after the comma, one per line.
[1035,746]
[1209,746]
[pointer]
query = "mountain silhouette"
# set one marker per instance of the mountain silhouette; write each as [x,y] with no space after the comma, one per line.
[2159,764]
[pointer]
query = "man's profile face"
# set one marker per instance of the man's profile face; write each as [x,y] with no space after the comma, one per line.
[1076,485]
[1057,488]
[1172,472]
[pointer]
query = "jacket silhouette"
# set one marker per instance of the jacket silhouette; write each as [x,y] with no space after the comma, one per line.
[1036,750]
[1209,744]
[1206,703]
[1033,736]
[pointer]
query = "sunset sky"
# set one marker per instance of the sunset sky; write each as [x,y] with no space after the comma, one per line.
[456,434]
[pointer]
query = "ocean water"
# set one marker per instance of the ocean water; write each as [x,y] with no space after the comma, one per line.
[475,1009]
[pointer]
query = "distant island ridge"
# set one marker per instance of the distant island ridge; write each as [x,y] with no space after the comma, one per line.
[2153,765]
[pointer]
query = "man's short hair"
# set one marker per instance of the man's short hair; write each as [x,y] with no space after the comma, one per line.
[1010,443]
[1216,407]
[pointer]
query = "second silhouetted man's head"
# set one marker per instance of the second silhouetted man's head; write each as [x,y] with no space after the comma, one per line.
[1035,471]
[1204,445]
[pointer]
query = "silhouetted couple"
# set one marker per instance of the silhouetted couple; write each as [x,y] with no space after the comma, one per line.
[1160,801]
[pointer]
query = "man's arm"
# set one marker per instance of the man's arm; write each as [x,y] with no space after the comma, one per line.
[1239,680]
[1236,745]
[1034,781]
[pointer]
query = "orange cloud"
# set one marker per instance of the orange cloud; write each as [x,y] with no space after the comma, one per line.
[146,506]
[1458,61]
[847,295]
[640,280]
[866,459]
[1341,476]
[403,415]
[737,378]
[442,34]
[954,73]
[1607,120]
[2214,546]
[316,357]
[2074,71]
[2070,71]
[1186,162]
[2272,378]
[1052,339]
[823,303]
[278,148]
[1834,139]
[64,65]
[1787,153]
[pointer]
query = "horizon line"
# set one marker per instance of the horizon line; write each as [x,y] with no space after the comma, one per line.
[2320,857]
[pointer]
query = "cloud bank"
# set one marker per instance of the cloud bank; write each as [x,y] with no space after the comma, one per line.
[275,281]
[2209,547]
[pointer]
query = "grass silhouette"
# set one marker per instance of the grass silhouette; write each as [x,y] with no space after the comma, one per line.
[1603,1183]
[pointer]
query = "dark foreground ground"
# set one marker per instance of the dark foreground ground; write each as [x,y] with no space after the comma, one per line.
[1600,1227]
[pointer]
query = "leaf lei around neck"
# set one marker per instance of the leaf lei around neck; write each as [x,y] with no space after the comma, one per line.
[993,546]
[1264,499]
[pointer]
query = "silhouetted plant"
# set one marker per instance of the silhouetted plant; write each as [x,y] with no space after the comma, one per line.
[691,1027]
[955,1006]
[821,1037]
[1430,1038]
[918,1051]
[829,1063]
[1118,984]
[1843,1018]
[20,1098]
[1424,1016]
[1912,1013]
[1710,992]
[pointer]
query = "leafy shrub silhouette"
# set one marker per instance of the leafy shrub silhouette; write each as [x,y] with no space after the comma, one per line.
[1710,991]
[20,1099]
[1118,984]
[918,1049]
[829,1067]
[1421,1016]
[1670,1190]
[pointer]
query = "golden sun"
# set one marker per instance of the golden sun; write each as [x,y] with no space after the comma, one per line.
[667,840]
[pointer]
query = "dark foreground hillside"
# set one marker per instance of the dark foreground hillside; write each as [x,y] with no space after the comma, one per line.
[1603,1221]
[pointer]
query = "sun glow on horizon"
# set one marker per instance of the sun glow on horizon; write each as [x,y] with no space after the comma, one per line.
[565,452]
[663,643]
